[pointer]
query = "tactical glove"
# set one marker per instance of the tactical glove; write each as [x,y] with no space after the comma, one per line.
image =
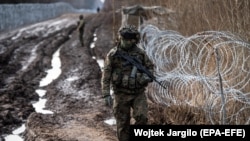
[108,100]
[144,80]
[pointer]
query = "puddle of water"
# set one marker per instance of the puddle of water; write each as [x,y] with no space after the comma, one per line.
[111,121]
[40,105]
[55,71]
[19,130]
[100,63]
[41,92]
[73,78]
[13,138]
[92,45]
[15,134]
[52,74]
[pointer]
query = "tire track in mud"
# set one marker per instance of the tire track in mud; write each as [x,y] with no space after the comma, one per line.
[18,83]
[77,101]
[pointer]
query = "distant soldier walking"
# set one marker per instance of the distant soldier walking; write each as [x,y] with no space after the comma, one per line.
[128,82]
[80,29]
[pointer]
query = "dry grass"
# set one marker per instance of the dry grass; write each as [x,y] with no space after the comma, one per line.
[194,16]
[188,18]
[176,115]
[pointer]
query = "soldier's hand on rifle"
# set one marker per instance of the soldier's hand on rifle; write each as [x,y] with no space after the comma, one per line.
[108,100]
[144,80]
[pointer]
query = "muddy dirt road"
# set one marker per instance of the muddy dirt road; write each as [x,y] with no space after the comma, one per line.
[74,97]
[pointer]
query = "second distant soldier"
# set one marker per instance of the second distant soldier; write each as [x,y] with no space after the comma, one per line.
[80,28]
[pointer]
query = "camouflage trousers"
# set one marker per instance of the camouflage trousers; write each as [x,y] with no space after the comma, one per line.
[81,38]
[123,105]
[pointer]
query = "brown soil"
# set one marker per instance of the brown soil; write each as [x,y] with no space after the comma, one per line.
[79,110]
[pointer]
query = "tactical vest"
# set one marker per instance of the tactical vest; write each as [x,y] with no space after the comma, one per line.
[81,26]
[124,74]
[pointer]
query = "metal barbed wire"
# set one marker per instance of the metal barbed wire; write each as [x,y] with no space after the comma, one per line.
[208,70]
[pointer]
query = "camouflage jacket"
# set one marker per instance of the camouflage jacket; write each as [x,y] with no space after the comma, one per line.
[117,71]
[80,25]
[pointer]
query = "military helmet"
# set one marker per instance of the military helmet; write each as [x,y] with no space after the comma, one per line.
[129,32]
[81,17]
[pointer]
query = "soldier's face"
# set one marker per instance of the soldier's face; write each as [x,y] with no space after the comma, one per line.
[127,43]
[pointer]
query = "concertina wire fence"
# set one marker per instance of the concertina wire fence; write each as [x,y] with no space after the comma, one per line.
[208,70]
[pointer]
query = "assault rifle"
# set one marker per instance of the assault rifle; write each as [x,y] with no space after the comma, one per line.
[139,66]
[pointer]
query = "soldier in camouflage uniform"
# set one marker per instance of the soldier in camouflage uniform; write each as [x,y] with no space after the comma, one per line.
[126,81]
[80,29]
